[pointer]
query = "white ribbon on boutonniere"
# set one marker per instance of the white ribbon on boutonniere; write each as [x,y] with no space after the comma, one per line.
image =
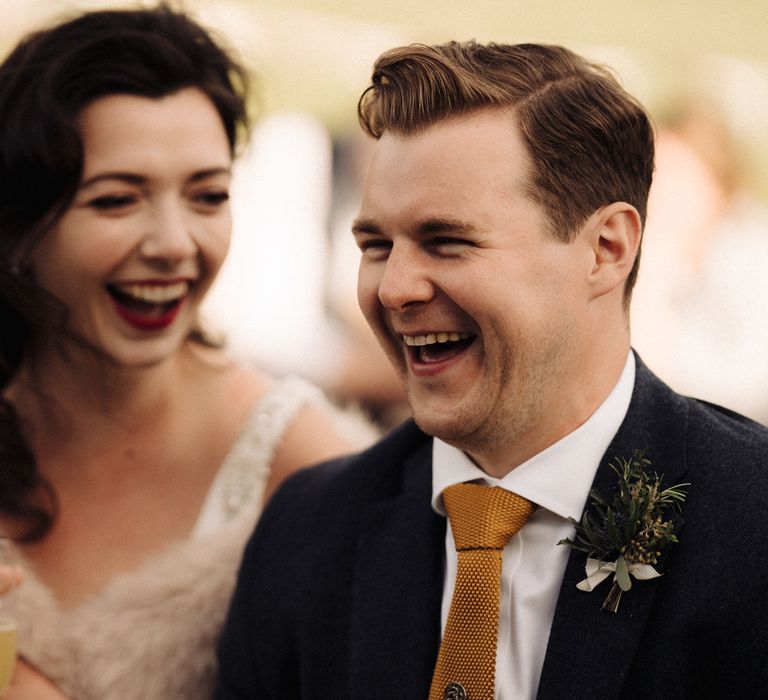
[597,571]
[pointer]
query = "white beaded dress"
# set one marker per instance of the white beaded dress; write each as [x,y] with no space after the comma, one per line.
[150,634]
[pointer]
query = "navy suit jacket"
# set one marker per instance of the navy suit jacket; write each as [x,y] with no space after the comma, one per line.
[339,592]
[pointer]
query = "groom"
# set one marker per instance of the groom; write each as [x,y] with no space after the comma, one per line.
[500,231]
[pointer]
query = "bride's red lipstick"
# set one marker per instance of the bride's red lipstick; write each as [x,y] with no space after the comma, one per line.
[151,305]
[145,322]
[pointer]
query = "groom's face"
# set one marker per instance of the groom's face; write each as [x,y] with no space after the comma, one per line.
[475,302]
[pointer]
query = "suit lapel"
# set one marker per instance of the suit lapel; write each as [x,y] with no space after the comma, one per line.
[590,651]
[395,620]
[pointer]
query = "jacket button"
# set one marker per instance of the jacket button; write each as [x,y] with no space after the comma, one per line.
[455,691]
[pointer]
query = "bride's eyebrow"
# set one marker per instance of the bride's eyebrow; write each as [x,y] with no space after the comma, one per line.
[130,178]
[134,179]
[209,172]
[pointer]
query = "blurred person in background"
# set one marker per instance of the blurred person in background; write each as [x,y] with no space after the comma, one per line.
[135,454]
[698,309]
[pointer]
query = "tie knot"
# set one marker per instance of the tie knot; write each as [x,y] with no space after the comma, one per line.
[484,517]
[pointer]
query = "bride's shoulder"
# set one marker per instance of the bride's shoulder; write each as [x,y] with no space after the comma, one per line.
[213,374]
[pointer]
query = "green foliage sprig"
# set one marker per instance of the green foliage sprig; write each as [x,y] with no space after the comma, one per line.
[630,530]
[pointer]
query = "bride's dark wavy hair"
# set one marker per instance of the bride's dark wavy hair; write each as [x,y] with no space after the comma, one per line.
[45,82]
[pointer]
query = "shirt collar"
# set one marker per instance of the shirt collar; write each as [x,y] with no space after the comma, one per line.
[559,477]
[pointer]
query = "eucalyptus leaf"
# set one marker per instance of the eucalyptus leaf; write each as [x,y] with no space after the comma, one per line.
[622,574]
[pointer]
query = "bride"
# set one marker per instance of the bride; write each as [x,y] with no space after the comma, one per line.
[136,456]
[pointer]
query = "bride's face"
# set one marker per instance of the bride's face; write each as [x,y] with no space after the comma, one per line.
[148,229]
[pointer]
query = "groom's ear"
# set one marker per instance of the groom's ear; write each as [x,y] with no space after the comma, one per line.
[614,237]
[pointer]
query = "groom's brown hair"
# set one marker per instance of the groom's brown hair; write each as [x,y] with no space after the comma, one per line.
[590,142]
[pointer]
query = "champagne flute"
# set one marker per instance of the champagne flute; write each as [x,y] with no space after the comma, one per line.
[7,617]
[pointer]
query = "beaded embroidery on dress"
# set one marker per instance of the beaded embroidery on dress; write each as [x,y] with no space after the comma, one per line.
[151,633]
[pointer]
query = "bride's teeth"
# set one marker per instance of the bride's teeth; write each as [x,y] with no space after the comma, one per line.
[155,293]
[433,338]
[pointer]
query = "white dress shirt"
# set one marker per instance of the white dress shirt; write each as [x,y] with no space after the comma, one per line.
[558,480]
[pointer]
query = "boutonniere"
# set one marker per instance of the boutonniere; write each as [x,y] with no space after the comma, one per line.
[625,537]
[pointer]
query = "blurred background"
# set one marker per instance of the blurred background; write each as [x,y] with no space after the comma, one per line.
[286,297]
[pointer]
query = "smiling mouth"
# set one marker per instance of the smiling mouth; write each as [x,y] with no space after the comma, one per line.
[437,347]
[148,306]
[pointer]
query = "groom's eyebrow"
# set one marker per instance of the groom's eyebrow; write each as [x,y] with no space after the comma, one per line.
[444,225]
[364,226]
[426,227]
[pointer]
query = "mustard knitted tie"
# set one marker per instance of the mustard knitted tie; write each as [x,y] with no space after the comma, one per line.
[483,519]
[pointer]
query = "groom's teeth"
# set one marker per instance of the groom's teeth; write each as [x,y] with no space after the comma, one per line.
[155,293]
[433,338]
